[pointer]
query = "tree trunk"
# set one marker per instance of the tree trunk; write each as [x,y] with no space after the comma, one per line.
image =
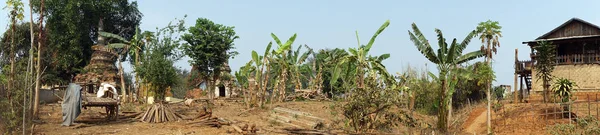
[545,92]
[443,113]
[137,78]
[265,84]
[123,88]
[11,55]
[488,92]
[29,66]
[39,63]
[283,86]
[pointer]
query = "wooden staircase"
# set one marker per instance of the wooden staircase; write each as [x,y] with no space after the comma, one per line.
[528,81]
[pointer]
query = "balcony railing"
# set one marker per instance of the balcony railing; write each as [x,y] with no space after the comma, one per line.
[578,59]
[523,66]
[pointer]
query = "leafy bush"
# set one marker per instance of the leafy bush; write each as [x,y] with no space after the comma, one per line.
[368,108]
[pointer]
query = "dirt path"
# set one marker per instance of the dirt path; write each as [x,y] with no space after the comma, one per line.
[476,121]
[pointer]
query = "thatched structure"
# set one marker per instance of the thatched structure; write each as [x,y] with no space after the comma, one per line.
[102,66]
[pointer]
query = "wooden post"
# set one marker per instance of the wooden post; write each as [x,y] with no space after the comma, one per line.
[516,94]
[589,107]
[569,106]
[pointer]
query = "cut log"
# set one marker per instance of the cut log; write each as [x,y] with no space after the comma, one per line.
[238,129]
[282,118]
[289,124]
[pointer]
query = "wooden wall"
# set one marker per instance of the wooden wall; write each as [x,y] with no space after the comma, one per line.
[575,28]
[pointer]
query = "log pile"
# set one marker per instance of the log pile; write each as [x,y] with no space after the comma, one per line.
[206,119]
[296,119]
[159,113]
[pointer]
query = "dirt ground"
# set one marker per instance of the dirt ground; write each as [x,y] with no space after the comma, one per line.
[92,121]
[531,118]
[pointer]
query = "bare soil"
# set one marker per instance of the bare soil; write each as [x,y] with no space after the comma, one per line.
[92,120]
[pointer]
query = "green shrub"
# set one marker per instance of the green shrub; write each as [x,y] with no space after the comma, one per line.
[562,129]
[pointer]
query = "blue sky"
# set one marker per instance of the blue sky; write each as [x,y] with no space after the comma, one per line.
[332,23]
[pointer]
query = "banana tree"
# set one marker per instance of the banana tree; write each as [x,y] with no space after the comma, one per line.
[282,63]
[134,46]
[261,62]
[362,60]
[295,59]
[242,77]
[446,58]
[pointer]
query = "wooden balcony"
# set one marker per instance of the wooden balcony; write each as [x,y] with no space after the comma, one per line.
[578,59]
[523,67]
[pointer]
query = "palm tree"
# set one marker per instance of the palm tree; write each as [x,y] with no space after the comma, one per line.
[446,59]
[545,59]
[362,60]
[489,33]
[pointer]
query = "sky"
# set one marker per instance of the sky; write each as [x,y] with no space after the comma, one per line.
[332,24]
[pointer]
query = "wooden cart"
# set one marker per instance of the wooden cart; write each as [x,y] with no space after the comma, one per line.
[89,99]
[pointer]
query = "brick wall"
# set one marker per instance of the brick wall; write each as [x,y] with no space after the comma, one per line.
[587,76]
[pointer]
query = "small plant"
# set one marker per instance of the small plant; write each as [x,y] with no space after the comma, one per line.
[562,129]
[563,88]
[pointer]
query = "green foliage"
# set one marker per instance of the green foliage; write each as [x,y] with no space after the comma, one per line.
[563,88]
[209,45]
[22,43]
[588,125]
[562,129]
[72,26]
[181,85]
[11,111]
[359,63]
[327,60]
[367,107]
[545,59]
[16,9]
[157,65]
[489,32]
[498,92]
[446,59]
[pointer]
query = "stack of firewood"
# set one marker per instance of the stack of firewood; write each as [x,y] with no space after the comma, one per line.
[158,113]
[245,129]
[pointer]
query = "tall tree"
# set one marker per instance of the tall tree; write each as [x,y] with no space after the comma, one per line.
[209,45]
[156,66]
[72,27]
[489,32]
[545,60]
[16,14]
[446,58]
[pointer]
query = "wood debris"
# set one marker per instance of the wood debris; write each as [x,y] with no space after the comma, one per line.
[306,94]
[245,129]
